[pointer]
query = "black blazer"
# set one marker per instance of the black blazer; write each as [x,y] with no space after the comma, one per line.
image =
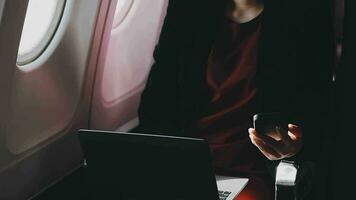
[294,66]
[342,143]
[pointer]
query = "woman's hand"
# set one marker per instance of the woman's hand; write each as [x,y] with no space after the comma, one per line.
[278,146]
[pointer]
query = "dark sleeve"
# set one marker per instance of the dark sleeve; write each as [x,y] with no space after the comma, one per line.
[313,99]
[310,107]
[159,108]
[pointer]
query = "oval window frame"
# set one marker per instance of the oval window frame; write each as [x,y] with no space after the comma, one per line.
[37,51]
[119,17]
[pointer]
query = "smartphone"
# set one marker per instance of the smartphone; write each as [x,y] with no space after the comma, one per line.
[270,123]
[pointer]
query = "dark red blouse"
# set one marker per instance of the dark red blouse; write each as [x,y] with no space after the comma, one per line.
[231,76]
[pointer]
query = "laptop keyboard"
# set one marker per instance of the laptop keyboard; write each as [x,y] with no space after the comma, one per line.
[223,195]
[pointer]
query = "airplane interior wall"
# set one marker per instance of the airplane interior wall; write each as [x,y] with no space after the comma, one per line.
[10,26]
[70,78]
[121,79]
[45,99]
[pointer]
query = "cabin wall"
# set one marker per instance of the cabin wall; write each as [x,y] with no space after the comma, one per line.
[45,100]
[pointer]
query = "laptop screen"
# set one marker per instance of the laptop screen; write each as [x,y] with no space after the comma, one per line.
[141,166]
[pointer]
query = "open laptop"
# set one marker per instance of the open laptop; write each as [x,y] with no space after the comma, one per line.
[140,166]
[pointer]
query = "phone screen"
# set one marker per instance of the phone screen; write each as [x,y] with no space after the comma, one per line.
[270,124]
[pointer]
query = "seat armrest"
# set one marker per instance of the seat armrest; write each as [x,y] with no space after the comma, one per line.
[294,181]
[286,181]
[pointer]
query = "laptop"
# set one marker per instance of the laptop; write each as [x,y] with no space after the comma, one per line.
[132,166]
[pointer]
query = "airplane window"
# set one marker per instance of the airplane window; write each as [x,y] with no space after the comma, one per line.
[2,5]
[42,19]
[122,9]
[126,63]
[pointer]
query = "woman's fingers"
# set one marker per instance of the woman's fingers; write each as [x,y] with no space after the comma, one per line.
[277,145]
[265,149]
[265,138]
[289,144]
[285,138]
[295,133]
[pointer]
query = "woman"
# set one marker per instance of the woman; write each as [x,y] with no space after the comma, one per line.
[220,62]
